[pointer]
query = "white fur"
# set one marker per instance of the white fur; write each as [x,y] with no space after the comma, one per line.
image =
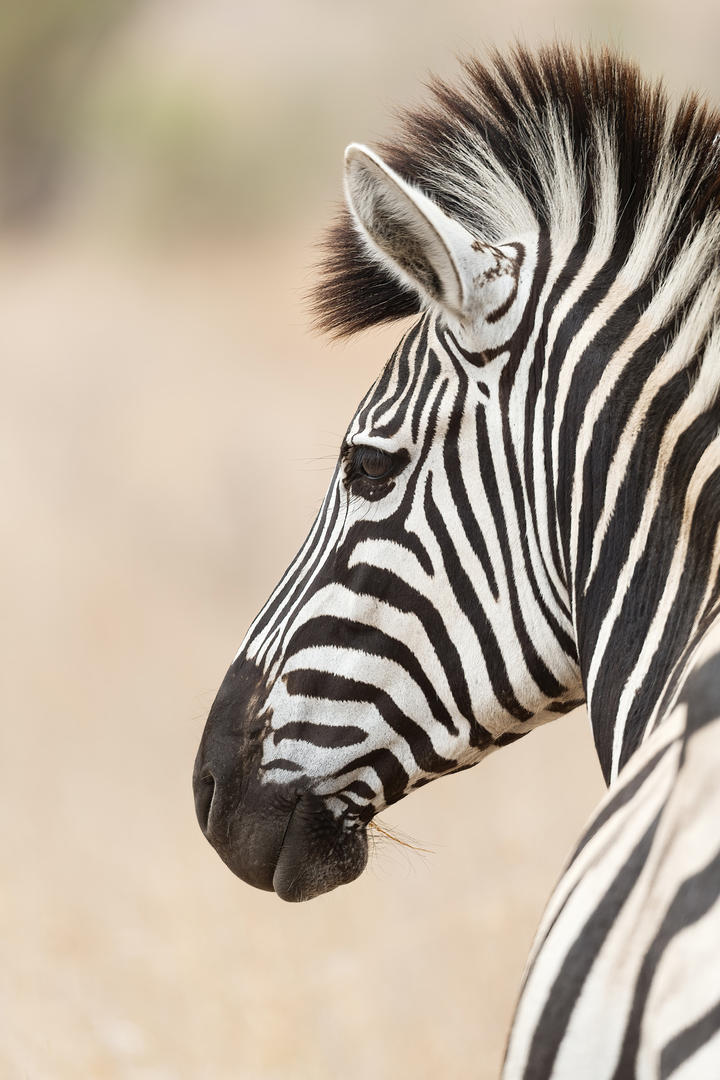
[474,278]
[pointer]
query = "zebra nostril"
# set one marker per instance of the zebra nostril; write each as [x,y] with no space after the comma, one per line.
[204,792]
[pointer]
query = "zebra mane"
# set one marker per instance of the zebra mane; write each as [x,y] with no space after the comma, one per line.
[575,143]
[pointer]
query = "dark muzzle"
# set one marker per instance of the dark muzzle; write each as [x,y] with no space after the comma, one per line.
[278,837]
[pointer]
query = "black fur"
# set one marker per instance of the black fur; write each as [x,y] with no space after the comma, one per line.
[486,111]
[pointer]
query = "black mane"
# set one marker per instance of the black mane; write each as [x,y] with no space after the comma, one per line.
[540,133]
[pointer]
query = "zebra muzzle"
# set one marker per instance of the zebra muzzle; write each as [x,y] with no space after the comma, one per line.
[274,836]
[299,851]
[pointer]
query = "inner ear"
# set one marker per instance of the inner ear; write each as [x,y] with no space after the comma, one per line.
[406,242]
[414,238]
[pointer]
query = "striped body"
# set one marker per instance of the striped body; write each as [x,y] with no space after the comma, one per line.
[623,979]
[525,515]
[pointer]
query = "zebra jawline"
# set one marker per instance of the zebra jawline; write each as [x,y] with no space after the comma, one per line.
[277,837]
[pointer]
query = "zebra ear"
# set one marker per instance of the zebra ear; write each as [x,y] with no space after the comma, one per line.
[474,282]
[409,234]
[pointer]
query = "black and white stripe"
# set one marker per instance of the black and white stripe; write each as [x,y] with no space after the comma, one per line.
[622,980]
[525,515]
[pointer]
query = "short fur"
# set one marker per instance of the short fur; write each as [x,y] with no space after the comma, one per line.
[567,142]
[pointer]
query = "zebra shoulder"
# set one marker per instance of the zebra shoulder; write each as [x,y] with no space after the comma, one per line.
[618,982]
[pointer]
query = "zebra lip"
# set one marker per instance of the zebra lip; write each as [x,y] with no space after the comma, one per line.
[247,833]
[317,853]
[287,843]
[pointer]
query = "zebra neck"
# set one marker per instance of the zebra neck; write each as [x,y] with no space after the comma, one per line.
[645,583]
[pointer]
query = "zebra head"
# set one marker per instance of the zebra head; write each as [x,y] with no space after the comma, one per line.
[523,513]
[418,628]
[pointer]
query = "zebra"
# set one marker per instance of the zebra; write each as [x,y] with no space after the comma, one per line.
[609,991]
[523,517]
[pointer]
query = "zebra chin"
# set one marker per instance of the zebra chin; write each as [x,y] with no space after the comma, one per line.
[279,837]
[317,854]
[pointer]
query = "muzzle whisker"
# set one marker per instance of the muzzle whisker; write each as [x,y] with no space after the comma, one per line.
[392,834]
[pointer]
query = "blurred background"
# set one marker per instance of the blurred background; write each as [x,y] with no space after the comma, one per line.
[168,426]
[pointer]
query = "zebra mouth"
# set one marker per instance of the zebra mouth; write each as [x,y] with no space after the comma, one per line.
[317,852]
[291,845]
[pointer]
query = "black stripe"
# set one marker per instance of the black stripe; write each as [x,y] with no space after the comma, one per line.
[467,601]
[549,365]
[609,428]
[612,333]
[643,594]
[565,991]
[378,392]
[693,899]
[360,788]
[702,694]
[279,763]
[432,374]
[390,773]
[543,677]
[591,598]
[415,342]
[621,798]
[351,634]
[327,686]
[386,586]
[518,348]
[678,626]
[544,257]
[327,735]
[456,482]
[623,795]
[277,608]
[688,1041]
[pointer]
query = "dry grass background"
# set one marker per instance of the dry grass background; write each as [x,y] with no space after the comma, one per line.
[167,427]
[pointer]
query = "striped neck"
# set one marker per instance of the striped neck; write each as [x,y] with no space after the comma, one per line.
[643,520]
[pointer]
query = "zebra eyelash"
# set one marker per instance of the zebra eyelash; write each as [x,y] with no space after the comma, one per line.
[369,471]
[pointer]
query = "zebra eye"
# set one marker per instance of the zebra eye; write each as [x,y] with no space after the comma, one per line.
[369,471]
[371,462]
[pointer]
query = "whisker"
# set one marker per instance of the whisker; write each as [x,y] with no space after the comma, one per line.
[392,835]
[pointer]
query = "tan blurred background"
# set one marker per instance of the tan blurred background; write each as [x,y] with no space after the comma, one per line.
[168,425]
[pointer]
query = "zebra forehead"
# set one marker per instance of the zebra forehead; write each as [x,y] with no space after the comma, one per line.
[417,380]
[575,143]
